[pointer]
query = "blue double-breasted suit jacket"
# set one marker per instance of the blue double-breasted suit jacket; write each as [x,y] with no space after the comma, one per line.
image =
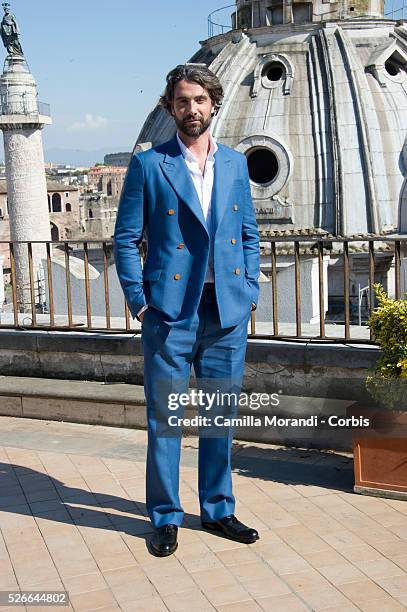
[159,200]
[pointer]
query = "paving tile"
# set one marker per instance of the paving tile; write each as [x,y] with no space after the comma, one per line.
[47,505]
[322,598]
[7,577]
[345,607]
[282,559]
[392,549]
[171,584]
[283,603]
[131,591]
[228,594]
[83,583]
[365,502]
[400,532]
[192,548]
[237,556]
[381,534]
[217,543]
[387,604]
[178,602]
[342,539]
[76,567]
[250,606]
[395,585]
[116,577]
[401,562]
[342,573]
[391,518]
[134,527]
[16,516]
[360,554]
[307,579]
[259,570]
[362,591]
[152,604]
[56,584]
[12,497]
[93,600]
[198,562]
[324,558]
[214,578]
[115,561]
[301,539]
[381,568]
[47,608]
[264,588]
[402,601]
[162,565]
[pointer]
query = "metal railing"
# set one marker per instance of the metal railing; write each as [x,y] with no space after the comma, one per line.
[24,107]
[219,21]
[214,27]
[37,309]
[395,9]
[44,109]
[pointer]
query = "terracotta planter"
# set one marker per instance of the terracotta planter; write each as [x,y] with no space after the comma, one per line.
[380,453]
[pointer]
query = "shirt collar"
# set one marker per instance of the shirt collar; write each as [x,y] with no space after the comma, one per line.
[189,156]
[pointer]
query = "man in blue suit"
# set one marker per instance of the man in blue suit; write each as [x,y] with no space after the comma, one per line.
[191,198]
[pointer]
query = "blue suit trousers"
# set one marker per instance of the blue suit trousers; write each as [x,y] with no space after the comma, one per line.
[169,352]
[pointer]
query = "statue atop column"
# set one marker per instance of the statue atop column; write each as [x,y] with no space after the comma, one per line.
[10,32]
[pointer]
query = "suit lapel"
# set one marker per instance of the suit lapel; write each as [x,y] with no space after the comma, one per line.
[222,185]
[176,171]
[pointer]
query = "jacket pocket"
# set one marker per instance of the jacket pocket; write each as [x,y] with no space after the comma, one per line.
[152,275]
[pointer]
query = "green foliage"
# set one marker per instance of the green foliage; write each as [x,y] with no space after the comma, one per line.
[388,324]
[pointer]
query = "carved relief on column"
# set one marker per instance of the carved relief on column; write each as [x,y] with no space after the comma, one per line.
[27,204]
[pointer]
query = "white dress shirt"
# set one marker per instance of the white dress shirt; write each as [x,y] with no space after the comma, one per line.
[203,183]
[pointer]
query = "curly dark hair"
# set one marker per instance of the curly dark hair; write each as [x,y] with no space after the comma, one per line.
[195,73]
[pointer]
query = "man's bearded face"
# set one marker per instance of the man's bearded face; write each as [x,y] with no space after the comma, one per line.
[192,108]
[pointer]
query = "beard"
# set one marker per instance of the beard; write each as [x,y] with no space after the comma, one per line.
[193,130]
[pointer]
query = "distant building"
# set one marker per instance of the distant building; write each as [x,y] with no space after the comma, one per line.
[107,179]
[68,175]
[63,207]
[98,216]
[117,159]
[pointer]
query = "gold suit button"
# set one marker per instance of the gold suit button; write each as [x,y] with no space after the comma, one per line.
[237,271]
[233,241]
[181,245]
[235,207]
[171,211]
[177,276]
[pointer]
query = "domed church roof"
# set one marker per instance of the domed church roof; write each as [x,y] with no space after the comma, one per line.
[316,98]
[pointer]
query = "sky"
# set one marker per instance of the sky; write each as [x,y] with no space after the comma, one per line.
[101,65]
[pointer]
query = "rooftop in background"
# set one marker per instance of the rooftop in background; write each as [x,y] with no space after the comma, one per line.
[118,159]
[107,170]
[262,13]
[51,186]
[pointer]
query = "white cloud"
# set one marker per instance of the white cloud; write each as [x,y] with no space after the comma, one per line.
[91,122]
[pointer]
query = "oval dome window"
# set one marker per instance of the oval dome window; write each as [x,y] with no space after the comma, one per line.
[274,71]
[262,164]
[392,68]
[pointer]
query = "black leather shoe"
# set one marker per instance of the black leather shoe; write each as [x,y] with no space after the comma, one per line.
[233,529]
[164,541]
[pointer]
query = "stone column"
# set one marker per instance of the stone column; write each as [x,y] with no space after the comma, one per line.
[21,121]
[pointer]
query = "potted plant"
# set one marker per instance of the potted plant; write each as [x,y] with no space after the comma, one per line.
[380,452]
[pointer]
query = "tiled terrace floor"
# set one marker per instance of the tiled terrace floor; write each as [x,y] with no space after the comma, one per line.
[72,516]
